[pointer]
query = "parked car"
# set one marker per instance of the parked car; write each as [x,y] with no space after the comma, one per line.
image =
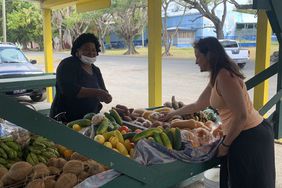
[13,63]
[238,55]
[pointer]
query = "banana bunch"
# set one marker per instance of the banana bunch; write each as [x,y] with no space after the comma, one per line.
[41,150]
[10,151]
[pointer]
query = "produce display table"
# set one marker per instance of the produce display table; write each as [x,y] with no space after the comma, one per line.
[133,173]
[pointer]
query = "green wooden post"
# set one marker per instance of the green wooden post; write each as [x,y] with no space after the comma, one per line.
[278,115]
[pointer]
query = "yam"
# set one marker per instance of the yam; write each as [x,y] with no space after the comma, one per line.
[40,170]
[77,156]
[20,170]
[182,124]
[73,166]
[54,170]
[82,176]
[93,167]
[38,183]
[67,180]
[49,183]
[3,171]
[7,180]
[57,162]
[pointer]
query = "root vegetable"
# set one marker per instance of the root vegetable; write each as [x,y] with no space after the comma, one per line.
[184,124]
[20,170]
[73,166]
[38,183]
[67,180]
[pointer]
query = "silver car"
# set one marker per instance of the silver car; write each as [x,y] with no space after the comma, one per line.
[13,63]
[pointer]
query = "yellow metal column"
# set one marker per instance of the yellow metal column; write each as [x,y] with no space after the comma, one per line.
[262,57]
[155,52]
[48,48]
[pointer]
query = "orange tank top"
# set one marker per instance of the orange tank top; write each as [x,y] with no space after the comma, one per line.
[218,103]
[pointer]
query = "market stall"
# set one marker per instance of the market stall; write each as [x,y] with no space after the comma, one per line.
[133,173]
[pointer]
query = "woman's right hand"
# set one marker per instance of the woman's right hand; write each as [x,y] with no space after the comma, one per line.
[104,96]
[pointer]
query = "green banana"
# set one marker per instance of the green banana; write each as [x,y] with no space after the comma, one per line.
[7,139]
[3,153]
[8,150]
[42,159]
[39,144]
[14,146]
[34,150]
[34,157]
[53,150]
[49,154]
[29,160]
[3,161]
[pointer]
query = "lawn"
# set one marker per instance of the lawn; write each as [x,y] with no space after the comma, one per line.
[184,52]
[187,53]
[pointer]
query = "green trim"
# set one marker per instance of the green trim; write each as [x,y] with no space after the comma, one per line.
[27,82]
[260,77]
[275,99]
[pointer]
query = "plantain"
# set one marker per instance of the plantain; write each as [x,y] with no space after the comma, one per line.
[7,139]
[49,154]
[42,159]
[3,153]
[34,157]
[3,161]
[39,144]
[10,152]
[29,160]
[53,150]
[34,150]
[14,146]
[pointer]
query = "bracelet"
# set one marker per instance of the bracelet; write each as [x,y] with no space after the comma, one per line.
[225,145]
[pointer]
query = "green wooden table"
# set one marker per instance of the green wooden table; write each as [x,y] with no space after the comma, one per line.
[133,173]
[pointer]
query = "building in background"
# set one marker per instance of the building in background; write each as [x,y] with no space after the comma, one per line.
[193,26]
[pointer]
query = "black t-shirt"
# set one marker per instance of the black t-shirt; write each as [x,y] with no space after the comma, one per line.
[70,77]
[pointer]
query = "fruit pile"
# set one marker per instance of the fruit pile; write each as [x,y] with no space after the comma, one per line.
[41,150]
[10,151]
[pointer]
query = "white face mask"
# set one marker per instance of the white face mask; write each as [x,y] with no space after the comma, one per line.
[88,60]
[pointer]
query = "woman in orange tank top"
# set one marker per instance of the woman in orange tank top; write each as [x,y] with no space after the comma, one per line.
[247,150]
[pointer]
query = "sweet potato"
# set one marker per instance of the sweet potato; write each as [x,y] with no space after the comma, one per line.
[182,124]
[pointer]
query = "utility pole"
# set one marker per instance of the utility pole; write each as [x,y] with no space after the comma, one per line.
[4,20]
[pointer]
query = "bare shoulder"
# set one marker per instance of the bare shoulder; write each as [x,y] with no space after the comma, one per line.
[227,80]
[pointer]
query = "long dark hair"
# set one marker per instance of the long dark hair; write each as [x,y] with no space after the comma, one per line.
[217,58]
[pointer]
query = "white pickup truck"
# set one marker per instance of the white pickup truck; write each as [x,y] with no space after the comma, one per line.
[237,54]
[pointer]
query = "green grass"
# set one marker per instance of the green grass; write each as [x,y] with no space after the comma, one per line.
[176,52]
[187,53]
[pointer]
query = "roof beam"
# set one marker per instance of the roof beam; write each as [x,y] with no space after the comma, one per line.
[54,4]
[92,5]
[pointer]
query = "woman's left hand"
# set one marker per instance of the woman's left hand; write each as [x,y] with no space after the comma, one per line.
[222,151]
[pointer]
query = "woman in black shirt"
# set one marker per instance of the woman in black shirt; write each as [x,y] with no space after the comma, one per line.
[80,87]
